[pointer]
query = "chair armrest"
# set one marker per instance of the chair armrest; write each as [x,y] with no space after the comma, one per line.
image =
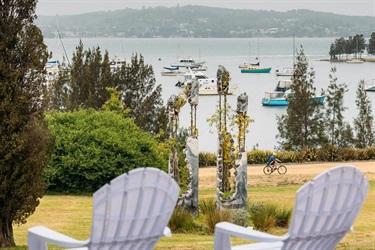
[167,232]
[247,233]
[39,236]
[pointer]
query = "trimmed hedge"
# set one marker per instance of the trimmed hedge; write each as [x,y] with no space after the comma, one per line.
[328,154]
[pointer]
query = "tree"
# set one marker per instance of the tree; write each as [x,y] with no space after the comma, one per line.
[359,44]
[334,110]
[84,82]
[371,44]
[364,122]
[137,82]
[26,143]
[303,125]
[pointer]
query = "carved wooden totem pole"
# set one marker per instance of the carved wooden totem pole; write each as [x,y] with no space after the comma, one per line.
[231,187]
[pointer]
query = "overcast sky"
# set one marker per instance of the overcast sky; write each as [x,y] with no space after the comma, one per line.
[345,7]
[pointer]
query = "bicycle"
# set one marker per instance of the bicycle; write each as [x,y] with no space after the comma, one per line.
[268,169]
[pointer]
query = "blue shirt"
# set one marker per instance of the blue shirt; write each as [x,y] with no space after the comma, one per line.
[271,159]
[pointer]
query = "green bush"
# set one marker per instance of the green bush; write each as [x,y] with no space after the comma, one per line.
[93,147]
[257,156]
[329,153]
[181,221]
[240,217]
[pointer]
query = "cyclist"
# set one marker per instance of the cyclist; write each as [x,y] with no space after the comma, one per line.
[273,161]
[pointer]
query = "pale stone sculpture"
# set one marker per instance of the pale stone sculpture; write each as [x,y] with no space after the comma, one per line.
[174,105]
[238,189]
[189,199]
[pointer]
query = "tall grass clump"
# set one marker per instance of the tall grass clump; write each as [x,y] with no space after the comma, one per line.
[268,215]
[207,206]
[213,215]
[181,220]
[263,216]
[283,217]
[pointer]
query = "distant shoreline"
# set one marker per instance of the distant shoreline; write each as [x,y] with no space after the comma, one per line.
[349,60]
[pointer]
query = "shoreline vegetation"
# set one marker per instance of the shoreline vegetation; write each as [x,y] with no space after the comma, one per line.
[372,59]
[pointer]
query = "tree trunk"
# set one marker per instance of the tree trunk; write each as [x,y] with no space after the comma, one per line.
[6,234]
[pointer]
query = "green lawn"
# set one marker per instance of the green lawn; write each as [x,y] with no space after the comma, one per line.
[71,215]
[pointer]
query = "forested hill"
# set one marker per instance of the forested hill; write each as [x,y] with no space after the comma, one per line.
[199,21]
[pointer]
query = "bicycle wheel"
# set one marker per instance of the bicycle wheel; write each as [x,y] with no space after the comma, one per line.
[267,170]
[282,169]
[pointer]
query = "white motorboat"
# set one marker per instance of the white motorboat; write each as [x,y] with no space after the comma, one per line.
[286,71]
[211,89]
[190,74]
[187,62]
[116,63]
[52,69]
[371,87]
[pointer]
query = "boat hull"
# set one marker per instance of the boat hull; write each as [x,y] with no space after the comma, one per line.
[260,70]
[212,90]
[284,102]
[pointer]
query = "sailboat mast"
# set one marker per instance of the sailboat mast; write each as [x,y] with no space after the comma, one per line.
[249,54]
[258,46]
[294,50]
[57,38]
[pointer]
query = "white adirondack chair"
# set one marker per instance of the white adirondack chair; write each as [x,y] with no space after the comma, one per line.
[325,210]
[130,213]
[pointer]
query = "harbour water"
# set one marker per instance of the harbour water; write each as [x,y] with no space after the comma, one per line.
[272,52]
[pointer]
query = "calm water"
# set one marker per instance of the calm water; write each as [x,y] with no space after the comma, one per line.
[273,52]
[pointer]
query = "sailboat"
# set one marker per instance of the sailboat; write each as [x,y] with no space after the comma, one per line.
[254,67]
[287,71]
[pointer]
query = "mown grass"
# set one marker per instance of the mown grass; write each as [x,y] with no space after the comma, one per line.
[71,215]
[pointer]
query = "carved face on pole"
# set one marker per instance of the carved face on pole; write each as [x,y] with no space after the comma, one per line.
[175,103]
[222,80]
[193,93]
[171,106]
[242,103]
[171,111]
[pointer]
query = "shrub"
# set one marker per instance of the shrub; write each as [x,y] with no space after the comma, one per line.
[207,159]
[255,207]
[93,147]
[240,217]
[181,220]
[346,154]
[257,156]
[306,154]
